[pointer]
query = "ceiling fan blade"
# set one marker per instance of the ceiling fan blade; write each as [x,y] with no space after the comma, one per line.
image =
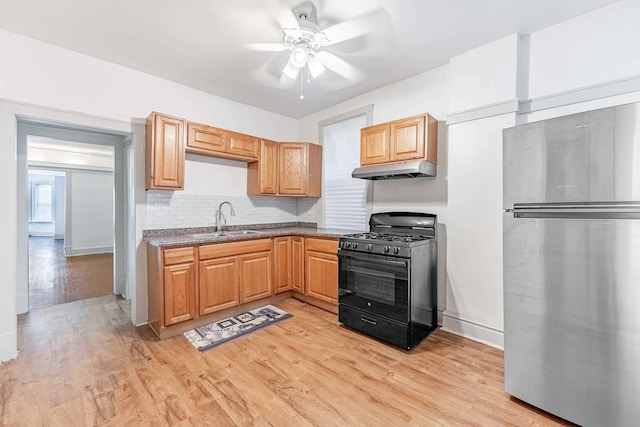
[266,47]
[370,23]
[283,14]
[290,70]
[339,66]
[315,66]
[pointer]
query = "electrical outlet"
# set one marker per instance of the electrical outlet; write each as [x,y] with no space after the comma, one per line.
[253,211]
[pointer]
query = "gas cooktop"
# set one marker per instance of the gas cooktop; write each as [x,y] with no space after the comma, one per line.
[388,237]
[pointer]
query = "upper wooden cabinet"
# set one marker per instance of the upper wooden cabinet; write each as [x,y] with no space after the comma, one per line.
[293,168]
[206,138]
[243,145]
[406,139]
[374,144]
[262,176]
[212,141]
[164,152]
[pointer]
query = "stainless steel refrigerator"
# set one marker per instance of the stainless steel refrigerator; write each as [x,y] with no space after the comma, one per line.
[572,265]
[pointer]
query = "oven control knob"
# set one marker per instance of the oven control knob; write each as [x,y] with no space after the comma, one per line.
[396,250]
[386,249]
[348,244]
[369,247]
[354,245]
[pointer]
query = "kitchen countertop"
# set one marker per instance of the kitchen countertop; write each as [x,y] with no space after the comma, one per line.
[184,236]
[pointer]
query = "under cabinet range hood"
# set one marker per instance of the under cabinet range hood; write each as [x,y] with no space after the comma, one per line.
[410,169]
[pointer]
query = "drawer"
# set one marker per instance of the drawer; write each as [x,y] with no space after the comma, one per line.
[178,255]
[322,245]
[378,327]
[219,250]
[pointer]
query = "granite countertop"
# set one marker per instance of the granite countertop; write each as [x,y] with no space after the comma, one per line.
[185,236]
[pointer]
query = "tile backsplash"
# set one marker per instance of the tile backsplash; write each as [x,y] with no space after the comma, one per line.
[166,209]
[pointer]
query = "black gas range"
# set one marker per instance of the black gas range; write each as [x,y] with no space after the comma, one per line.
[387,279]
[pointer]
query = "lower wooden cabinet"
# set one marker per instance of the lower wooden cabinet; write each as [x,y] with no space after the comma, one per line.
[234,273]
[179,293]
[255,276]
[218,284]
[321,269]
[187,283]
[282,264]
[288,261]
[173,296]
[297,264]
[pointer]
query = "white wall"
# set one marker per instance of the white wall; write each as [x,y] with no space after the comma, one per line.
[591,49]
[77,88]
[89,213]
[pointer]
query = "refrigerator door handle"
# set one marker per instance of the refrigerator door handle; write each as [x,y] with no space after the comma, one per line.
[577,213]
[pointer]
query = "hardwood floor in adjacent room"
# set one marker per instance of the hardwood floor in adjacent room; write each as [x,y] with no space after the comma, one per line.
[56,279]
[83,363]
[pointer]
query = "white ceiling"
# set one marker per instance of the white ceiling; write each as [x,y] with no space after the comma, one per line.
[203,43]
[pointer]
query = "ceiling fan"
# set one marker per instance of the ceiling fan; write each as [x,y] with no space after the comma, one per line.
[305,44]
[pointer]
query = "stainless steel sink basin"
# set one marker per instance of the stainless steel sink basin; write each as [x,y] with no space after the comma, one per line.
[241,232]
[208,235]
[224,233]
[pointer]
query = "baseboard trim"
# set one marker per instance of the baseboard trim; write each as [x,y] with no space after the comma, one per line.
[88,251]
[8,343]
[451,322]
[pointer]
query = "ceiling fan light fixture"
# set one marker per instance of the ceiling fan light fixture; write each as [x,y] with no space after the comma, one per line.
[298,57]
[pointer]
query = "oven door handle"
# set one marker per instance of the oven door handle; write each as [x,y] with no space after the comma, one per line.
[402,264]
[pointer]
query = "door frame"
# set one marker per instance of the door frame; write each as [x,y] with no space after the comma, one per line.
[28,126]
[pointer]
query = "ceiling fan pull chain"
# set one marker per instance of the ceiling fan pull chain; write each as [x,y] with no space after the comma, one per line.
[301,83]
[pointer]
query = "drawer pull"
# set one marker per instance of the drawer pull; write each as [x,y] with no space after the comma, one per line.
[370,321]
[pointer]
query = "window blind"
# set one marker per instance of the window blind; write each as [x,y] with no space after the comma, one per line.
[344,197]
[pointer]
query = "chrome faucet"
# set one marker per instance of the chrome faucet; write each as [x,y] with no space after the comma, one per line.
[221,221]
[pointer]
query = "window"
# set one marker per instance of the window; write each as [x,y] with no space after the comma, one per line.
[41,203]
[344,196]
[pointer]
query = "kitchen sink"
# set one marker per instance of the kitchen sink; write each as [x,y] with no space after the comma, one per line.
[208,235]
[224,233]
[241,232]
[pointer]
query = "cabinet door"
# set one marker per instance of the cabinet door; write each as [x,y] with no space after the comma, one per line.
[206,138]
[243,145]
[297,264]
[282,264]
[407,139]
[164,152]
[268,167]
[255,276]
[179,293]
[374,144]
[219,284]
[321,270]
[292,168]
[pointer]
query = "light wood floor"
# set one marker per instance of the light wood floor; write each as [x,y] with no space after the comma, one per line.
[56,279]
[83,363]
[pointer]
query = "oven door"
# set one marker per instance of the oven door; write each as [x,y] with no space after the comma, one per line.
[375,283]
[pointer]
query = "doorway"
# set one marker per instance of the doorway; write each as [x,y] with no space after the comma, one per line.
[70,221]
[88,258]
